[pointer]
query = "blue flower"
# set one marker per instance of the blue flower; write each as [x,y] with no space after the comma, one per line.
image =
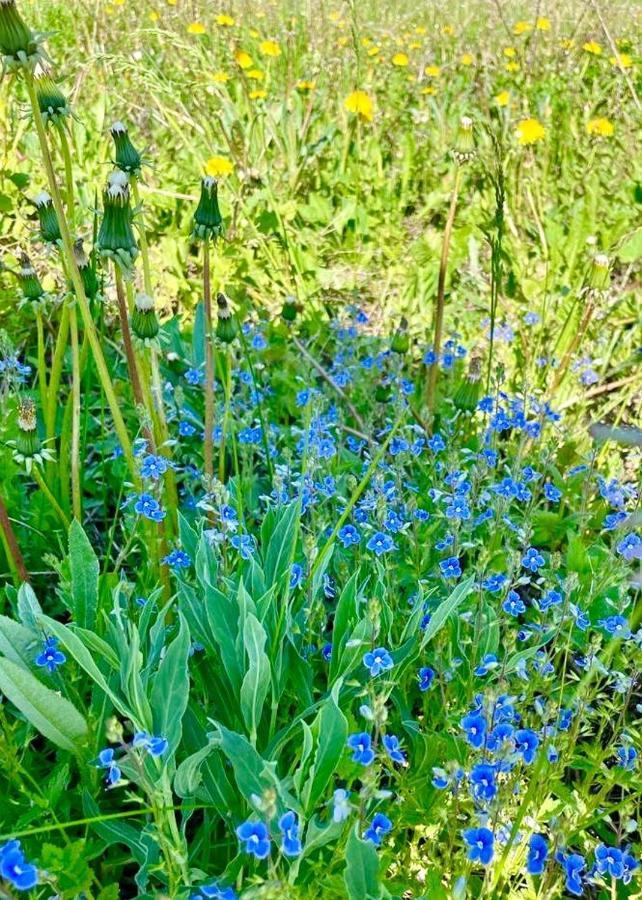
[513,604]
[378,661]
[244,543]
[574,865]
[450,567]
[616,626]
[194,376]
[474,724]
[216,891]
[626,757]
[380,543]
[349,535]
[480,843]
[326,652]
[609,861]
[106,761]
[185,428]
[361,744]
[482,779]
[177,559]
[153,467]
[526,744]
[50,657]
[378,828]
[630,547]
[494,583]
[14,868]
[340,805]
[629,865]
[149,507]
[296,575]
[426,676]
[393,748]
[488,663]
[532,559]
[436,443]
[255,837]
[289,825]
[552,493]
[155,746]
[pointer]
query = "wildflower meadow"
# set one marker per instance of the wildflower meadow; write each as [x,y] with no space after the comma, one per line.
[320,443]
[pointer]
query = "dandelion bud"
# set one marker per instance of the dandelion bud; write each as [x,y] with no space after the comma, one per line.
[464,149]
[18,45]
[27,443]
[599,277]
[467,394]
[144,320]
[208,222]
[32,290]
[128,159]
[51,100]
[116,236]
[49,228]
[290,309]
[400,340]
[87,270]
[226,327]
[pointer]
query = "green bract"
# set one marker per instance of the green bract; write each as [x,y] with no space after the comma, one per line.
[127,156]
[144,319]
[19,46]
[208,222]
[51,100]
[87,270]
[116,238]
[49,227]
[226,326]
[32,290]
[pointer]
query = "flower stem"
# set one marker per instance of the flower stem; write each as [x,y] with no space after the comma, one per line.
[433,370]
[76,490]
[56,373]
[42,365]
[134,375]
[208,451]
[44,487]
[99,359]
[11,543]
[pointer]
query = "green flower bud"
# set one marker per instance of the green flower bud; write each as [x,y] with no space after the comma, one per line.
[226,326]
[467,394]
[87,270]
[464,149]
[400,340]
[600,278]
[49,228]
[208,222]
[27,442]
[144,320]
[116,239]
[18,44]
[51,100]
[290,309]
[128,159]
[32,290]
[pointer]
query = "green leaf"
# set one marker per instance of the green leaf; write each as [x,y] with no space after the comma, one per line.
[361,873]
[332,729]
[631,249]
[52,715]
[345,614]
[17,643]
[171,688]
[280,542]
[84,577]
[257,679]
[28,607]
[446,609]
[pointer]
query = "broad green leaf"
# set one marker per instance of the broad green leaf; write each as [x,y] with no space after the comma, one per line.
[332,729]
[29,609]
[171,688]
[17,643]
[446,609]
[361,873]
[84,569]
[278,543]
[345,615]
[257,679]
[52,715]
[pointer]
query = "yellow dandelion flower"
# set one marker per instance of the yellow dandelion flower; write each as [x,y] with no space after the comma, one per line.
[421,29]
[521,28]
[365,42]
[254,33]
[119,2]
[269,48]
[305,85]
[567,44]
[503,98]
[172,2]
[342,41]
[224,20]
[601,127]
[361,104]
[448,30]
[467,59]
[543,24]
[430,90]
[512,67]
[414,45]
[374,51]
[334,16]
[154,16]
[622,61]
[593,47]
[529,131]
[432,71]
[220,77]
[258,95]
[255,74]
[243,59]
[196,28]
[400,59]
[219,166]
[510,52]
